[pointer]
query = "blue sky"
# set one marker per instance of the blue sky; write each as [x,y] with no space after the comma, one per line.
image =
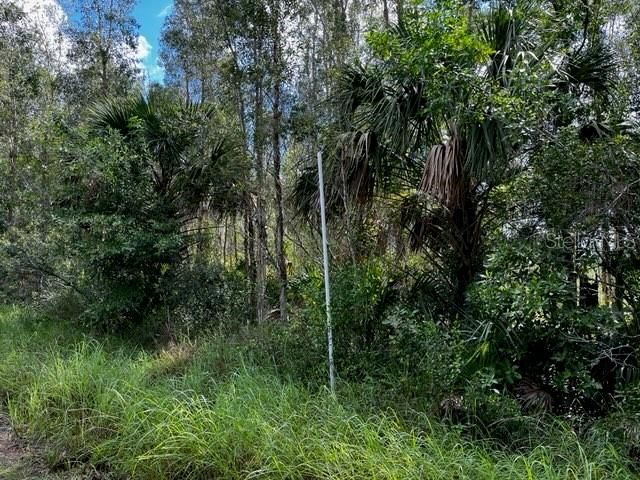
[150,14]
[49,16]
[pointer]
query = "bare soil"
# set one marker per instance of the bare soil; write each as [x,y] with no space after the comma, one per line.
[20,460]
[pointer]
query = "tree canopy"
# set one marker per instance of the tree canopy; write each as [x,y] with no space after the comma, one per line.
[482,180]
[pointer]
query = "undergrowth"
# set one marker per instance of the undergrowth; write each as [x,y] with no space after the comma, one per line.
[203,410]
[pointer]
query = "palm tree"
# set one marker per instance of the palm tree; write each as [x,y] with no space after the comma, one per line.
[193,167]
[141,209]
[443,157]
[444,114]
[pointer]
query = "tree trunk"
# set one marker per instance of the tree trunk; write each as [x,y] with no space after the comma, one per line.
[224,241]
[104,60]
[260,215]
[276,132]
[250,249]
[466,225]
[385,12]
[400,10]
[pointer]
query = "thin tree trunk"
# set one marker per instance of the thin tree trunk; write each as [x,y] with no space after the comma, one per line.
[260,220]
[400,10]
[224,242]
[234,239]
[103,61]
[249,250]
[385,12]
[276,132]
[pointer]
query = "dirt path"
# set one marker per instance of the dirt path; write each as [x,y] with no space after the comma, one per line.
[20,461]
[14,458]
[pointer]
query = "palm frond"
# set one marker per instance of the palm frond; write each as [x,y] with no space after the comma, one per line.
[357,85]
[593,67]
[304,197]
[355,171]
[532,397]
[427,223]
[631,126]
[443,175]
[185,161]
[118,113]
[507,31]
[489,150]
[391,107]
[432,294]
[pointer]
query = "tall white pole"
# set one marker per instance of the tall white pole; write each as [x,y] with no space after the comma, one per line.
[327,294]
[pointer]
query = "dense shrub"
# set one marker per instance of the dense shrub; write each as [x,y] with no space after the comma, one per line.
[522,317]
[424,357]
[117,229]
[360,295]
[379,334]
[202,296]
[131,190]
[622,425]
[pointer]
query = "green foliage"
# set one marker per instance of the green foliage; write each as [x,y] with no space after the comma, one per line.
[202,296]
[378,334]
[118,230]
[424,360]
[102,405]
[622,425]
[443,33]
[528,331]
[584,178]
[360,296]
[484,410]
[132,186]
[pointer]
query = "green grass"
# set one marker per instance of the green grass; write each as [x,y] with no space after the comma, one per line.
[198,411]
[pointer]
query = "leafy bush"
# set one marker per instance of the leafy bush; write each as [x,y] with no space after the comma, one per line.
[132,185]
[379,337]
[424,357]
[203,296]
[527,329]
[622,425]
[360,295]
[115,225]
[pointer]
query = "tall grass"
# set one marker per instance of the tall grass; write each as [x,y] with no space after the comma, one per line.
[199,412]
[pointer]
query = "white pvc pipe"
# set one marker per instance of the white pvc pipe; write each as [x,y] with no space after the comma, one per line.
[327,294]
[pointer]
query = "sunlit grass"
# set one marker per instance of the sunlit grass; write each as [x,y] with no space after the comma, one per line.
[195,412]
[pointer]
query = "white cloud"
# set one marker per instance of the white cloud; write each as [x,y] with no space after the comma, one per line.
[165,11]
[156,73]
[143,48]
[149,68]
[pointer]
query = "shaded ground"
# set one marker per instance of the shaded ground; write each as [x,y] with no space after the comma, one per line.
[21,461]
